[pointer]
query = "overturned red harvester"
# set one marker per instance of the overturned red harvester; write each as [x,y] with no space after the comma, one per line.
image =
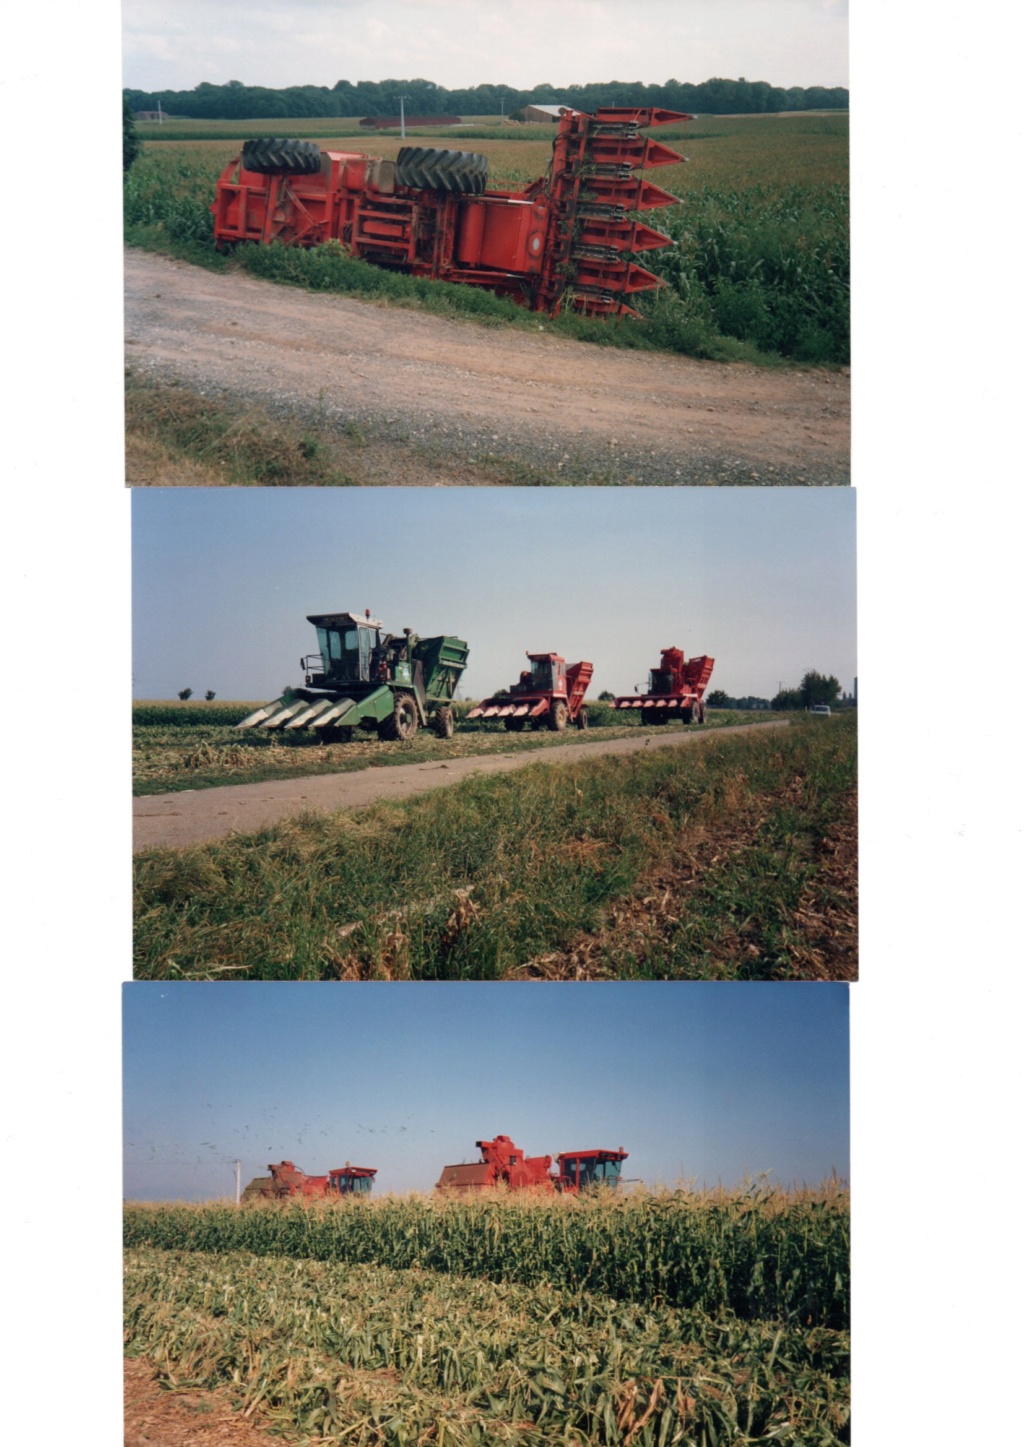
[548,695]
[286,1180]
[675,690]
[503,1164]
[565,239]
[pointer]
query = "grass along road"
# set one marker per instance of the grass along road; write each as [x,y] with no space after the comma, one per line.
[177,818]
[749,841]
[195,746]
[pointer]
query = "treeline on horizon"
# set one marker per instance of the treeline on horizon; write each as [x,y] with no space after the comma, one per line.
[235,101]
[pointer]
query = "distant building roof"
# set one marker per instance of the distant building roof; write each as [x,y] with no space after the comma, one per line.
[392,123]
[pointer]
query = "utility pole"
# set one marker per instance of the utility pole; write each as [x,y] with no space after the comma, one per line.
[401,106]
[238,1183]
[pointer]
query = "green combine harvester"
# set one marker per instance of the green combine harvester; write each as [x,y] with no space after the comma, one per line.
[390,684]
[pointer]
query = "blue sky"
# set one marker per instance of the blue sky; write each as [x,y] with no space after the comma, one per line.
[761,579]
[459,43]
[698,1082]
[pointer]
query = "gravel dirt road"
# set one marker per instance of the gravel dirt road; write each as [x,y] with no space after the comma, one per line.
[437,402]
[178,820]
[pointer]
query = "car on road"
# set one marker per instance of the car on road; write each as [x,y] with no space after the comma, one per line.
[821,709]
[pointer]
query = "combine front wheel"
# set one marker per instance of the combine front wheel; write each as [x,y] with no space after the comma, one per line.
[444,722]
[273,156]
[403,722]
[557,716]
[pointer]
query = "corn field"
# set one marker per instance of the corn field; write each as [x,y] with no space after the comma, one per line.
[758,1254]
[332,1326]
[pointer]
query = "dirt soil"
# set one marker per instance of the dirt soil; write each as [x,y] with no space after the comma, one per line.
[184,818]
[430,401]
[191,1417]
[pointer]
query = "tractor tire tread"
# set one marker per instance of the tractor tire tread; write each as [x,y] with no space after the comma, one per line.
[280,156]
[426,168]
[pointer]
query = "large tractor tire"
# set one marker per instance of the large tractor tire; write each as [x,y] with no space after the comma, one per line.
[404,720]
[274,156]
[444,722]
[427,169]
[582,721]
[689,715]
[558,715]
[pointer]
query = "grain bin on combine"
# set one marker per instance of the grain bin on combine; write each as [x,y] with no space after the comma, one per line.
[563,240]
[548,695]
[674,690]
[503,1165]
[391,684]
[287,1182]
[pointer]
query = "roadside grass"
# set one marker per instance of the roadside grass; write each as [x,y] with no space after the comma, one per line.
[167,422]
[760,272]
[178,746]
[174,435]
[491,878]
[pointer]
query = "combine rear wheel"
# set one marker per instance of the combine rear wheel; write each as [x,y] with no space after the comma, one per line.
[444,722]
[274,156]
[403,722]
[557,716]
[428,169]
[582,721]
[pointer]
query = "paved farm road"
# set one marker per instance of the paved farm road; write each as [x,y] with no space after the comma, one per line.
[195,817]
[429,399]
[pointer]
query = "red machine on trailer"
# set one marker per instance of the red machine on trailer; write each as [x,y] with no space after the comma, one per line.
[675,690]
[286,1180]
[564,239]
[548,693]
[503,1164]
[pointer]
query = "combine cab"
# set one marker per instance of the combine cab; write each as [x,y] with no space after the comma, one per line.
[287,1182]
[363,678]
[582,1170]
[503,1164]
[564,239]
[675,690]
[548,695]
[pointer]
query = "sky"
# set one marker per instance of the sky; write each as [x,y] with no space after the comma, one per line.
[762,579]
[700,1083]
[176,44]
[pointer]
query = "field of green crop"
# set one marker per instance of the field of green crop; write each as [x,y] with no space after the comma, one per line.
[195,746]
[647,1320]
[733,860]
[761,271]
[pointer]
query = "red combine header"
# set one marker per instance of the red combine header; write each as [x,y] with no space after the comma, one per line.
[548,695]
[564,240]
[675,690]
[287,1181]
[502,1163]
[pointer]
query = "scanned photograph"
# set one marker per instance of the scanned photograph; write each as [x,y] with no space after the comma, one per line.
[483,734]
[508,269]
